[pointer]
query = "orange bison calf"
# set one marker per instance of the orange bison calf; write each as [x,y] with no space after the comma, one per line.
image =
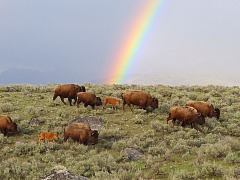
[187,115]
[111,100]
[49,136]
[7,125]
[205,108]
[68,91]
[88,98]
[81,133]
[139,98]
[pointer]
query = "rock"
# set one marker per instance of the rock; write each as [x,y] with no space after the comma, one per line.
[61,173]
[36,121]
[132,154]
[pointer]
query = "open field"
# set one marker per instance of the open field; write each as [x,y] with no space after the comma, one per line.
[164,151]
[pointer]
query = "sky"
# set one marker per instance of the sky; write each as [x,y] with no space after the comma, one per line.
[77,41]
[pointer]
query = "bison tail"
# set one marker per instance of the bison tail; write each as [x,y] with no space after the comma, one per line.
[123,98]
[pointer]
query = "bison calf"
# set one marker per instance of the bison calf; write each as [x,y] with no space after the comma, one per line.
[205,108]
[68,91]
[139,98]
[81,133]
[111,100]
[187,115]
[7,125]
[88,98]
[49,136]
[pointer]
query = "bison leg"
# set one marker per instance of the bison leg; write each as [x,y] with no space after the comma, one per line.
[75,100]
[93,106]
[85,105]
[129,105]
[65,138]
[62,99]
[78,102]
[4,131]
[70,101]
[123,105]
[174,121]
[184,124]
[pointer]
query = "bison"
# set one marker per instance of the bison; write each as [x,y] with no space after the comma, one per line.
[139,98]
[68,91]
[205,108]
[88,98]
[111,100]
[187,115]
[82,133]
[49,136]
[7,125]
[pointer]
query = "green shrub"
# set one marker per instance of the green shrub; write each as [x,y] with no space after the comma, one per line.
[3,139]
[232,157]
[208,169]
[6,107]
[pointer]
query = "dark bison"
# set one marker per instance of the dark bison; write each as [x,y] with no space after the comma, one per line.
[7,125]
[82,133]
[139,98]
[111,100]
[88,98]
[68,91]
[205,108]
[187,115]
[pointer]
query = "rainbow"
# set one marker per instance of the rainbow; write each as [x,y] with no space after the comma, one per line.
[133,41]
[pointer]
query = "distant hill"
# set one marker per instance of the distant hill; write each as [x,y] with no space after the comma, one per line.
[184,79]
[21,76]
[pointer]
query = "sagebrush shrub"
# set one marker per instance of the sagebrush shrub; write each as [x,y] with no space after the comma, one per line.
[6,107]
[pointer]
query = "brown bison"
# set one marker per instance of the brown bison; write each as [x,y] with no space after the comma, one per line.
[205,108]
[139,98]
[68,91]
[111,100]
[82,133]
[88,98]
[49,136]
[7,125]
[186,114]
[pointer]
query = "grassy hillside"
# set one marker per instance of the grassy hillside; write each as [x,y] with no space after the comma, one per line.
[166,152]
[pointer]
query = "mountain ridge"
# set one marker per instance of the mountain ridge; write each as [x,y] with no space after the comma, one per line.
[21,76]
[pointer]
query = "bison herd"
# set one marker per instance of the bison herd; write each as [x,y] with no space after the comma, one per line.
[193,113]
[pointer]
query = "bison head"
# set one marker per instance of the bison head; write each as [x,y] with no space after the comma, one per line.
[78,88]
[201,119]
[98,101]
[13,127]
[217,113]
[83,89]
[94,137]
[154,103]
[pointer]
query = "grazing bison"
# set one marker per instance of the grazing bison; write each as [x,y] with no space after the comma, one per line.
[187,115]
[139,98]
[82,133]
[205,108]
[111,100]
[49,136]
[68,91]
[88,98]
[7,125]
